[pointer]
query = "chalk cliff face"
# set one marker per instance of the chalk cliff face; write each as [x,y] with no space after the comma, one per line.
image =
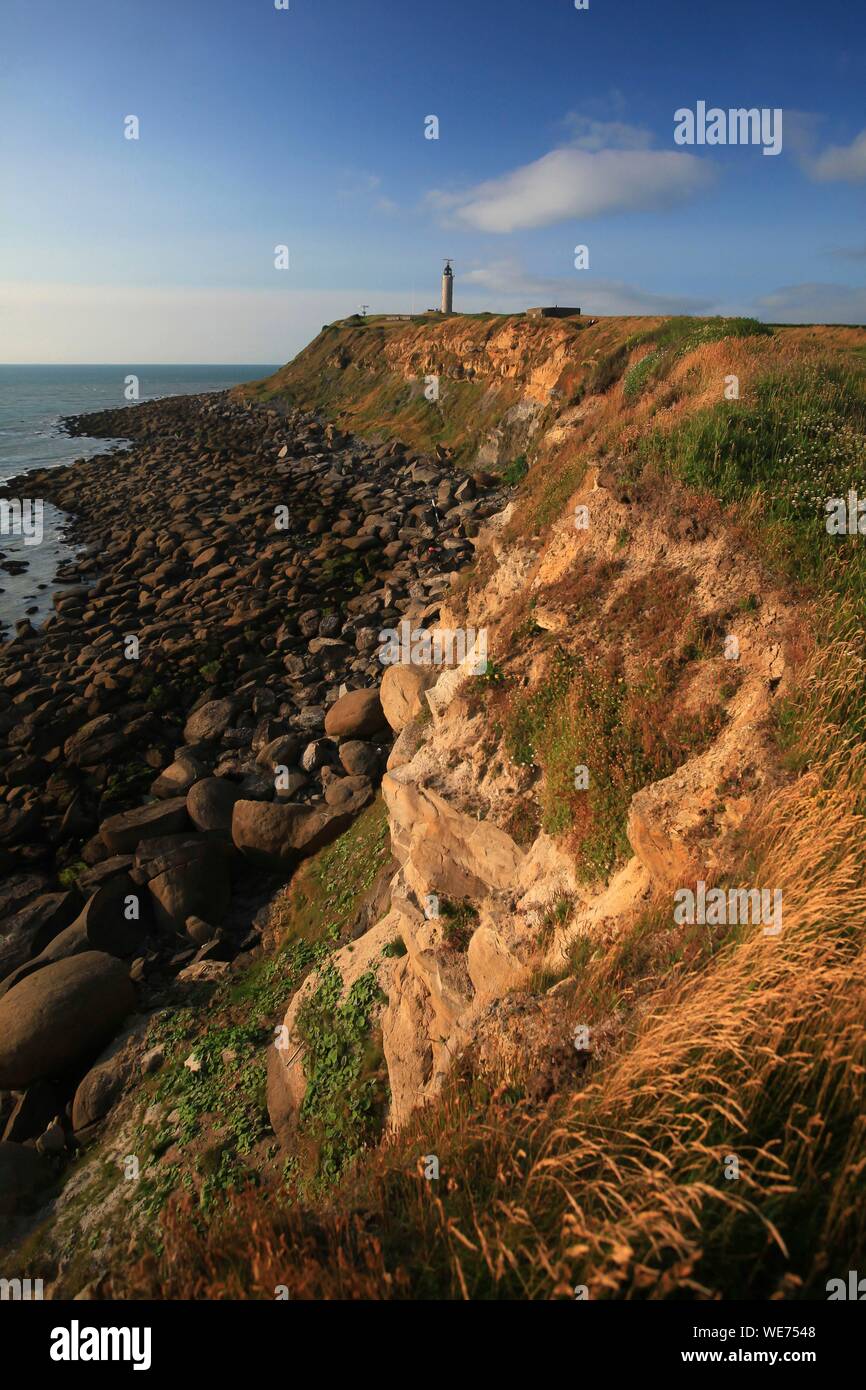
[495,377]
[479,881]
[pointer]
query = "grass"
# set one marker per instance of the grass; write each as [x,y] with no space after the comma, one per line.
[459,921]
[777,455]
[753,1048]
[596,741]
[212,1139]
[672,340]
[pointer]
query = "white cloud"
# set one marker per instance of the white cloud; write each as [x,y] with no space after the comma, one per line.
[833,163]
[815,303]
[577,183]
[514,288]
[839,163]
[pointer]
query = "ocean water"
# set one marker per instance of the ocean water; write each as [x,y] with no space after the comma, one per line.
[32,402]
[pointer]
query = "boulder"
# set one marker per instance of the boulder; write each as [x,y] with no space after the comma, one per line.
[97,1092]
[187,876]
[178,777]
[121,833]
[349,791]
[55,1019]
[280,752]
[358,758]
[357,714]
[199,931]
[102,926]
[18,890]
[402,693]
[95,742]
[29,931]
[103,1085]
[318,754]
[17,823]
[210,804]
[278,835]
[209,723]
[91,879]
[105,920]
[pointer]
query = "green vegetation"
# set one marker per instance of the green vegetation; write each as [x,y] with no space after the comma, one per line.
[672,340]
[395,948]
[346,1094]
[583,715]
[69,876]
[459,921]
[797,440]
[637,377]
[327,891]
[706,1040]
[798,437]
[127,784]
[516,471]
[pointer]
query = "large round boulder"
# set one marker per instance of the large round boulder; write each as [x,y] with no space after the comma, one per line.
[357,714]
[107,923]
[277,835]
[178,777]
[55,1019]
[210,804]
[360,759]
[402,693]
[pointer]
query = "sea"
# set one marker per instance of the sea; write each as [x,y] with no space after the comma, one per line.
[33,400]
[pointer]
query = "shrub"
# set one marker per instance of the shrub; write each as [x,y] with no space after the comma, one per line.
[516,471]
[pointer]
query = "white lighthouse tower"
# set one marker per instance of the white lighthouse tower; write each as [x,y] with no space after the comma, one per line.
[447,288]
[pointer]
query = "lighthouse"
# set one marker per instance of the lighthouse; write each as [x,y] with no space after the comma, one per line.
[447,288]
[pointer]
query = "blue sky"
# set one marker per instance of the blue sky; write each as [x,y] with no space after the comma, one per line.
[305,127]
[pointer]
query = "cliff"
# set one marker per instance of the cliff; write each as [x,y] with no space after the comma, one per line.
[576,1001]
[496,377]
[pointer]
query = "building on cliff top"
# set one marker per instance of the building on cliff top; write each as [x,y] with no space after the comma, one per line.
[552,312]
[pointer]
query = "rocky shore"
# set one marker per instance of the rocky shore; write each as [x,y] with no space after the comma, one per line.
[203,710]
